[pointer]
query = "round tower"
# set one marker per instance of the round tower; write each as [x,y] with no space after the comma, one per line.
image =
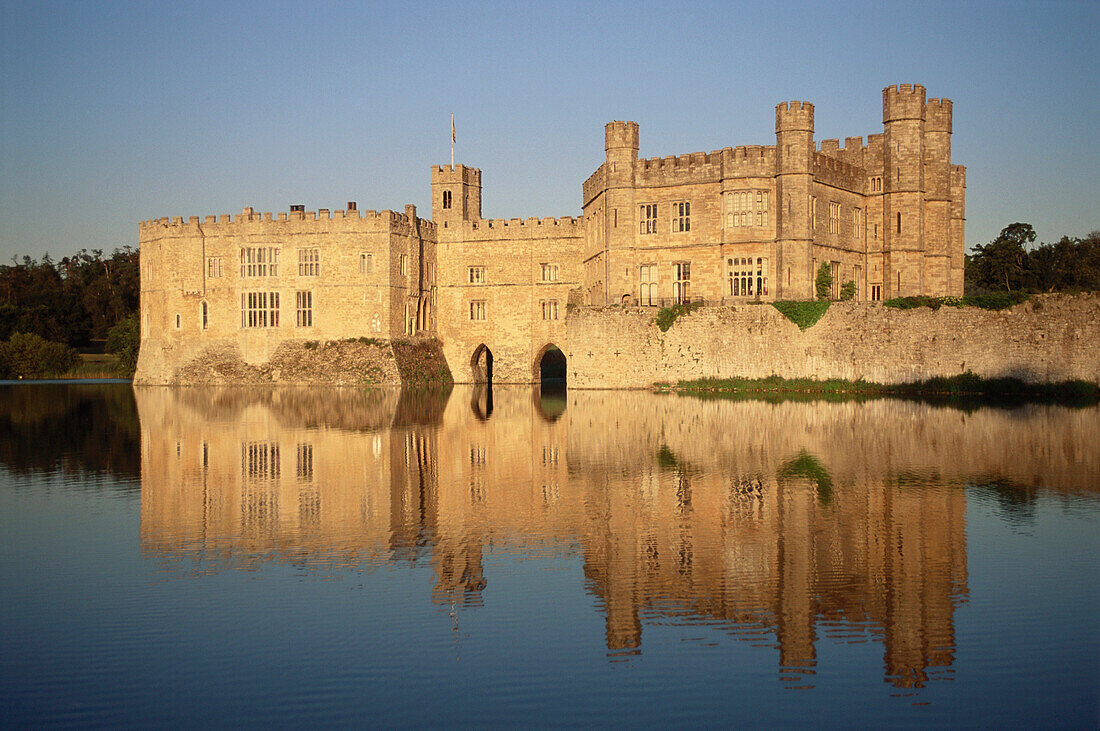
[794,152]
[903,186]
[621,147]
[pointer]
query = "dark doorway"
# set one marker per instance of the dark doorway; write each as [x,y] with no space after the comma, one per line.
[552,368]
[482,364]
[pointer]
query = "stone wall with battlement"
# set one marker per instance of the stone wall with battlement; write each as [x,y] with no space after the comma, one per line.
[1049,338]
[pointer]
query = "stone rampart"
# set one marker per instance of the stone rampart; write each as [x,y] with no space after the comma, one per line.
[363,362]
[1049,338]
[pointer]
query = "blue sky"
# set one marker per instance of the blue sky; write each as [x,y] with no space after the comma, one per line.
[111,113]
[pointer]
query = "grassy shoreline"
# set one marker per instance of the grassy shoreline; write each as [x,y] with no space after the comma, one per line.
[965,386]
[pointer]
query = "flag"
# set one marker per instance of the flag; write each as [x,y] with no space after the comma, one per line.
[453,129]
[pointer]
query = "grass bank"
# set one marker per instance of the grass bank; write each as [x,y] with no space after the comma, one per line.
[966,386]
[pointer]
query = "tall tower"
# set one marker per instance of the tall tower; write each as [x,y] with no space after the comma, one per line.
[616,217]
[794,151]
[456,194]
[903,185]
[937,198]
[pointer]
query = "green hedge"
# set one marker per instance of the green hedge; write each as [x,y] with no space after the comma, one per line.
[991,301]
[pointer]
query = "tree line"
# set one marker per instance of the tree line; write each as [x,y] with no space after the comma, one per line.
[49,307]
[1010,263]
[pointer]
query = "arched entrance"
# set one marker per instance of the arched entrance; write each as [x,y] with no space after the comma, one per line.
[550,367]
[481,363]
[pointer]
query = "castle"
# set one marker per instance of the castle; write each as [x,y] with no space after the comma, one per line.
[729,227]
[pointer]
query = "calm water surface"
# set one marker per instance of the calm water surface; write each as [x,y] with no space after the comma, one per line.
[294,557]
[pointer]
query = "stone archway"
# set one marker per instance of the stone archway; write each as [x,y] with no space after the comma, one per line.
[481,364]
[550,367]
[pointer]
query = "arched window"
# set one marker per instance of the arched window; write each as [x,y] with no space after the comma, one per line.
[446,199]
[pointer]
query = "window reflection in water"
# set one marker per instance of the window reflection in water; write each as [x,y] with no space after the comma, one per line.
[781,524]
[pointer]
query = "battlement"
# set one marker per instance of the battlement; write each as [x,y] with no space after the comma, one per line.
[903,101]
[619,135]
[794,116]
[937,115]
[523,228]
[838,173]
[456,174]
[212,223]
[695,167]
[596,184]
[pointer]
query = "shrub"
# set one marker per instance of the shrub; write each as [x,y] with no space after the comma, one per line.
[803,314]
[848,291]
[668,315]
[124,340]
[29,356]
[824,282]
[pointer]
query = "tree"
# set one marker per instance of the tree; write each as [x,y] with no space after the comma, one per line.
[847,291]
[25,355]
[1002,264]
[823,285]
[124,340]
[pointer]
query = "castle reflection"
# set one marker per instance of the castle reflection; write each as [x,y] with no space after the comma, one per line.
[779,523]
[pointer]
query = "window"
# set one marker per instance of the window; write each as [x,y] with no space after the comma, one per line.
[259,261]
[549,309]
[857,221]
[203,312]
[549,272]
[746,208]
[259,309]
[761,277]
[876,292]
[366,263]
[681,281]
[476,275]
[446,199]
[834,271]
[876,184]
[648,219]
[813,213]
[303,305]
[681,217]
[213,267]
[309,262]
[404,265]
[747,277]
[477,310]
[834,218]
[647,289]
[177,322]
[899,222]
[410,318]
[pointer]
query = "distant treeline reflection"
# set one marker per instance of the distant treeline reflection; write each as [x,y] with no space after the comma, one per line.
[71,428]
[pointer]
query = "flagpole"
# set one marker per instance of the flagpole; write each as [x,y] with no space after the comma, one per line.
[452,141]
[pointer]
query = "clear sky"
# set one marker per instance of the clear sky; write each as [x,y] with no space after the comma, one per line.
[111,112]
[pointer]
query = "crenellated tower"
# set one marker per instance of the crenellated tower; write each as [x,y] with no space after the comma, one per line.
[903,116]
[794,139]
[456,194]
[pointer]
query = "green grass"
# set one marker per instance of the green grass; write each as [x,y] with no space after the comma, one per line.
[666,316]
[803,314]
[964,386]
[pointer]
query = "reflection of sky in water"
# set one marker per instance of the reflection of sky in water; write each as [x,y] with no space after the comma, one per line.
[638,559]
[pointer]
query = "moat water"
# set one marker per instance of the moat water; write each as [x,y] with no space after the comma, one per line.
[186,557]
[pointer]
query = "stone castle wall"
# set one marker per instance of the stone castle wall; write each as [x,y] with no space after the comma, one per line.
[1049,338]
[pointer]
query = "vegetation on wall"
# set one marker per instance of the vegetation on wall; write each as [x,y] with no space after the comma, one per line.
[801,313]
[989,301]
[666,316]
[823,284]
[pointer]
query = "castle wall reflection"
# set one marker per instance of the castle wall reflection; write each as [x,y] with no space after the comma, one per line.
[780,523]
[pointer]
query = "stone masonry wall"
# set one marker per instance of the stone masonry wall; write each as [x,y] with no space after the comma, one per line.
[1046,339]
